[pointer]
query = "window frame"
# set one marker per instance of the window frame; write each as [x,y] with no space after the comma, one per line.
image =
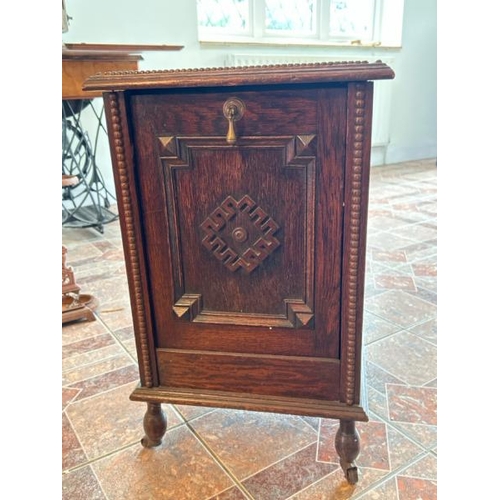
[386,29]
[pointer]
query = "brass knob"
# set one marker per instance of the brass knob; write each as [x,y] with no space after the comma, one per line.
[233,110]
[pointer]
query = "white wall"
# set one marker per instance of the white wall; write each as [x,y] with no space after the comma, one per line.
[413,120]
[409,134]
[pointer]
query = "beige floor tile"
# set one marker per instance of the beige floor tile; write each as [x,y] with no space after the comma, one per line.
[247,442]
[406,356]
[180,468]
[401,308]
[110,421]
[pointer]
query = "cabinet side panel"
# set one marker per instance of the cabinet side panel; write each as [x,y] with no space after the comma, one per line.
[128,207]
[359,117]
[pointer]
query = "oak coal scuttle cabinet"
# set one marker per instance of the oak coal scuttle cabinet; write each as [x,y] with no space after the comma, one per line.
[243,196]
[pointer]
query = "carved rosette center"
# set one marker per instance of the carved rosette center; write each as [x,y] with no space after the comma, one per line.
[240,234]
[251,257]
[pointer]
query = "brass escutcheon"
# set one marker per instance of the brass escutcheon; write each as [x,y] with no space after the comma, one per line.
[233,110]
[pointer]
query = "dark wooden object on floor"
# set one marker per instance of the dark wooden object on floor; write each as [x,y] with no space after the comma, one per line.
[244,195]
[75,305]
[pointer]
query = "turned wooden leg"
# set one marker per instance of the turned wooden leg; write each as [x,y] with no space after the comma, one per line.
[347,446]
[155,425]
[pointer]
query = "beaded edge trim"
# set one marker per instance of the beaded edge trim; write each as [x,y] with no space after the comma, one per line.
[129,236]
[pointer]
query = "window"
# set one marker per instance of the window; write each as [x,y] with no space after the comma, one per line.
[371,22]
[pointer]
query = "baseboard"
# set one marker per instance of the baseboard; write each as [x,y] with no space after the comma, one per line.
[399,154]
[378,154]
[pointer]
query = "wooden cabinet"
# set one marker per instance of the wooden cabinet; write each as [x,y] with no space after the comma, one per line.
[243,198]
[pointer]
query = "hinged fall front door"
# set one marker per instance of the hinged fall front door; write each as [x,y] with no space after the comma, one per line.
[242,219]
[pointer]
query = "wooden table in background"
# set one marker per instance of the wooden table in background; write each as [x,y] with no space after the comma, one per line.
[80,61]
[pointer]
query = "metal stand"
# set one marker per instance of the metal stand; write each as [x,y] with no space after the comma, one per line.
[85,200]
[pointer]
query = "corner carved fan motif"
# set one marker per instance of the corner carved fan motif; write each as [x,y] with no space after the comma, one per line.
[257,227]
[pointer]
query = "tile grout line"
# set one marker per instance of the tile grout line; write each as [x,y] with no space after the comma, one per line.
[423,339]
[90,461]
[317,439]
[381,317]
[281,459]
[97,394]
[100,374]
[391,475]
[239,482]
[312,484]
[310,425]
[197,417]
[401,330]
[112,333]
[66,471]
[220,463]
[390,423]
[128,355]
[390,290]
[84,339]
[387,427]
[86,353]
[99,482]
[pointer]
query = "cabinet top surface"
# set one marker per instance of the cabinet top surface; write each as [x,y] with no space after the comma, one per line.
[244,75]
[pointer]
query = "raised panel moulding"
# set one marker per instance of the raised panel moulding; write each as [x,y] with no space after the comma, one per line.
[299,153]
[188,306]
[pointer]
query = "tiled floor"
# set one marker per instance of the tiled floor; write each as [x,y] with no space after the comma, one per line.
[233,455]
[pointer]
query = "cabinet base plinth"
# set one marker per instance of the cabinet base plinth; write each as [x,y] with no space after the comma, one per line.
[219,399]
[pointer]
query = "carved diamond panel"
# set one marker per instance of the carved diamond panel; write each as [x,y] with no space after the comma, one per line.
[239,232]
[216,235]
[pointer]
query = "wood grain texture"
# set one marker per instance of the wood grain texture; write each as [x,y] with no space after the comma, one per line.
[246,257]
[250,75]
[278,298]
[76,68]
[189,182]
[251,374]
[276,404]
[130,225]
[122,47]
[358,145]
